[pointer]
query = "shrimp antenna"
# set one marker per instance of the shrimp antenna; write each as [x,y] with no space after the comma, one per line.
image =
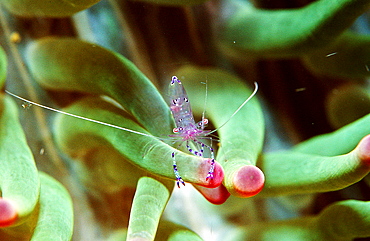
[237,110]
[205,103]
[77,116]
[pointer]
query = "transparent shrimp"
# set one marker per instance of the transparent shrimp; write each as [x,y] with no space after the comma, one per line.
[188,130]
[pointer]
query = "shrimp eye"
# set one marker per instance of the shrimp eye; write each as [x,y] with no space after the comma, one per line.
[175,101]
[186,99]
[202,123]
[177,129]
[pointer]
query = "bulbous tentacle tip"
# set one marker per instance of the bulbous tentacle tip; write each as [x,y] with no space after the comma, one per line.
[207,180]
[363,150]
[248,181]
[8,213]
[217,195]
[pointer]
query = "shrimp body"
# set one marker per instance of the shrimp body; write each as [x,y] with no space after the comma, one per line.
[186,128]
[182,113]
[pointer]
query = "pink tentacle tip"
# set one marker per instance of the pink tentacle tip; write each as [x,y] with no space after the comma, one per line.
[248,181]
[210,180]
[217,195]
[363,150]
[8,213]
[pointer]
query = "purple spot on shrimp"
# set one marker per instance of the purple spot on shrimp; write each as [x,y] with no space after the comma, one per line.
[175,79]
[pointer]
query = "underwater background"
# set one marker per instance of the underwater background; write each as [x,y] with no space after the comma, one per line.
[292,164]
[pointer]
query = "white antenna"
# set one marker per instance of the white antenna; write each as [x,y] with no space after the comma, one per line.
[237,110]
[129,130]
[77,116]
[205,103]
